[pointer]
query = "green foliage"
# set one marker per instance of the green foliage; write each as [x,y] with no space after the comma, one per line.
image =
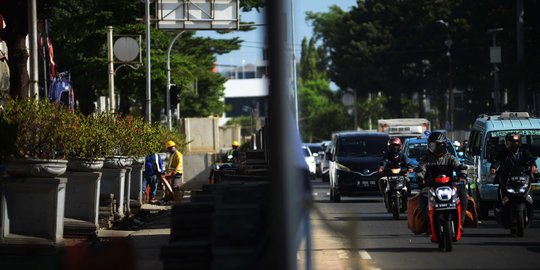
[397,48]
[92,137]
[36,129]
[79,35]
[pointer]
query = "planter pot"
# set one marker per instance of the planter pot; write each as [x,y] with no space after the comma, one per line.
[116,162]
[36,167]
[85,164]
[138,161]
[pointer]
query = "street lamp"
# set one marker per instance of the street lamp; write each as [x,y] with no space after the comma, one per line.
[450,107]
[495,58]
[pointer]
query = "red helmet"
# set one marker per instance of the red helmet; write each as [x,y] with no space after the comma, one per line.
[394,141]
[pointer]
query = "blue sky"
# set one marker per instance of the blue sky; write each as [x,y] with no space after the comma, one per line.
[251,51]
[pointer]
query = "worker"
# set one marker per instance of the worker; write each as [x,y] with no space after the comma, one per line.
[175,169]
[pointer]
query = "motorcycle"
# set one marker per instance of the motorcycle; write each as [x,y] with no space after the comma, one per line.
[444,212]
[516,209]
[396,192]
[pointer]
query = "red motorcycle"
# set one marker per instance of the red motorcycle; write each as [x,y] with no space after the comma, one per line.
[444,212]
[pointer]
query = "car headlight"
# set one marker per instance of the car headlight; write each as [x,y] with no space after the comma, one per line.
[342,167]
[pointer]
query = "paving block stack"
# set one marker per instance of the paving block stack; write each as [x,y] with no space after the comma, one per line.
[223,227]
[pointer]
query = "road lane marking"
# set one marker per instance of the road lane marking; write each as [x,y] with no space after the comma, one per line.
[315,194]
[364,255]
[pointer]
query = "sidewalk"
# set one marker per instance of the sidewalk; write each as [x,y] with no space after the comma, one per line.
[111,250]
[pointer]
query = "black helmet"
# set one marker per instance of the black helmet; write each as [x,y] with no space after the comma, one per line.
[437,143]
[512,141]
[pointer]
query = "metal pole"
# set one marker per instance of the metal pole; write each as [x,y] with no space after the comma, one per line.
[286,195]
[295,88]
[32,39]
[520,54]
[148,115]
[497,91]
[110,59]
[44,50]
[168,91]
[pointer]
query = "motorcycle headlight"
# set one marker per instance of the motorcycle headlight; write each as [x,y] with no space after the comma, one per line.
[522,190]
[445,193]
[342,167]
[511,190]
[395,171]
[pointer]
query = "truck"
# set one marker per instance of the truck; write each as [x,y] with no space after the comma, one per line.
[404,128]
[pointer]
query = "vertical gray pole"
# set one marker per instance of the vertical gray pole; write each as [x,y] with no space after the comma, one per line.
[286,184]
[520,54]
[110,59]
[32,34]
[148,115]
[497,94]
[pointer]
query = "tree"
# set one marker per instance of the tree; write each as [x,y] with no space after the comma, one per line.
[79,35]
[398,48]
[14,34]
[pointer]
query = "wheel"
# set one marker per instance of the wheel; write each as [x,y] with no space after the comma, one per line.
[520,224]
[447,235]
[396,208]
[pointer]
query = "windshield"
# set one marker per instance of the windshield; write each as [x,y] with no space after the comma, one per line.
[306,152]
[530,140]
[419,149]
[361,146]
[315,148]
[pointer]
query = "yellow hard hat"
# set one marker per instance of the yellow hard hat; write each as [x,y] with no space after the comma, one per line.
[170,144]
[235,143]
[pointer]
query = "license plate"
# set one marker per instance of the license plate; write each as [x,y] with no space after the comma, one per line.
[372,183]
[535,187]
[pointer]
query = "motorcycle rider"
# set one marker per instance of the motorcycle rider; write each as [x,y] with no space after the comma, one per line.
[437,162]
[513,156]
[395,157]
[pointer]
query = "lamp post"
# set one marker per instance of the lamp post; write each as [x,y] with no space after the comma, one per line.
[495,58]
[450,104]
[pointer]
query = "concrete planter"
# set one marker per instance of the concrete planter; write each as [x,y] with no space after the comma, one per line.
[32,212]
[136,193]
[113,182]
[82,203]
[116,162]
[36,167]
[85,164]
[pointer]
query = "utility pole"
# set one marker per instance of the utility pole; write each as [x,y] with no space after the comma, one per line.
[32,33]
[110,59]
[148,115]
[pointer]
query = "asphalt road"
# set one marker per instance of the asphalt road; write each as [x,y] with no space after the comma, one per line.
[358,233]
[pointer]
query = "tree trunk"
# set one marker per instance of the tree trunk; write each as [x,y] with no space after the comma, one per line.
[15,15]
[18,57]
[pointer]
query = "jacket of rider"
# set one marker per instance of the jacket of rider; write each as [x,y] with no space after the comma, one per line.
[506,160]
[431,165]
[396,159]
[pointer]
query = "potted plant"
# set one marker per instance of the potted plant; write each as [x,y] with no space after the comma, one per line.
[36,137]
[92,143]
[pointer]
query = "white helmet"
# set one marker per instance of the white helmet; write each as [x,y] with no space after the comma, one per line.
[457,144]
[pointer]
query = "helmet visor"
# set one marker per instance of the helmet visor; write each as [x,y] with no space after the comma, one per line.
[437,148]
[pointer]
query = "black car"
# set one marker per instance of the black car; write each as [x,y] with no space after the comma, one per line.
[354,160]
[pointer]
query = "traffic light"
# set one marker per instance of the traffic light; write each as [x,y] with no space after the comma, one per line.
[174,95]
